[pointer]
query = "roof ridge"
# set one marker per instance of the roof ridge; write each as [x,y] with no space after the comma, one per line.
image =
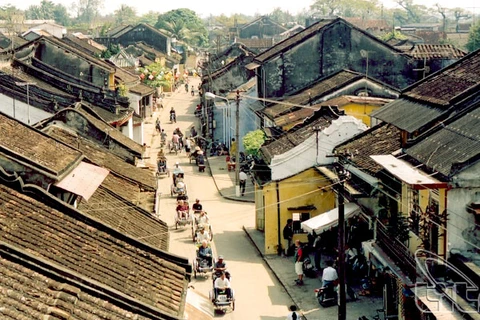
[75,279]
[16,183]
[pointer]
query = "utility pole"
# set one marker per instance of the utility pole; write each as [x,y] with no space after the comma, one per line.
[237,137]
[28,84]
[342,306]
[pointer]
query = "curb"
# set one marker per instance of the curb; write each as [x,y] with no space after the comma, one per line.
[295,301]
[218,189]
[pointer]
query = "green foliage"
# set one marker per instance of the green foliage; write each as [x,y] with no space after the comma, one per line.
[87,11]
[253,141]
[150,18]
[184,25]
[393,35]
[112,50]
[399,227]
[473,42]
[156,75]
[47,10]
[125,15]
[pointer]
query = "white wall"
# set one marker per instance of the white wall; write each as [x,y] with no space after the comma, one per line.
[134,102]
[138,134]
[304,156]
[22,110]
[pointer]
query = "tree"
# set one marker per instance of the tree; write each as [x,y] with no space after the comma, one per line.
[151,17]
[280,16]
[185,24]
[125,15]
[156,75]
[473,42]
[253,141]
[87,10]
[47,10]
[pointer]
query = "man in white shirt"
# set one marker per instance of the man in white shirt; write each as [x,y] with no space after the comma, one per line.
[293,314]
[222,284]
[242,176]
[329,274]
[203,235]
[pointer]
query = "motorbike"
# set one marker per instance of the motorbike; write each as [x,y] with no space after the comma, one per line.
[198,110]
[308,269]
[327,296]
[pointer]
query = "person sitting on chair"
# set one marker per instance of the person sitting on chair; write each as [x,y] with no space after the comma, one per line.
[222,284]
[203,218]
[202,235]
[182,210]
[205,252]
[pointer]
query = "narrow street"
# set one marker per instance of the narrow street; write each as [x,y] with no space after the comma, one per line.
[258,293]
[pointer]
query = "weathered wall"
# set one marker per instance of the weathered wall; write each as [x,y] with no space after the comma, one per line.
[71,64]
[142,33]
[261,29]
[300,190]
[334,48]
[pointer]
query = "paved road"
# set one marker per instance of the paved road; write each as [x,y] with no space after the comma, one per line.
[258,293]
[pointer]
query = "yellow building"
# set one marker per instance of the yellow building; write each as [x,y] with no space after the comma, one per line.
[300,197]
[357,106]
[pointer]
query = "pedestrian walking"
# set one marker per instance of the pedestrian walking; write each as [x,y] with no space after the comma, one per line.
[293,314]
[157,125]
[299,257]
[188,146]
[242,176]
[288,236]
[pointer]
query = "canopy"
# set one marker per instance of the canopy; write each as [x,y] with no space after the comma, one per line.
[328,219]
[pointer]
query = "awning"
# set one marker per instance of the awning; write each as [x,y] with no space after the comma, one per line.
[437,304]
[408,173]
[252,65]
[328,219]
[83,180]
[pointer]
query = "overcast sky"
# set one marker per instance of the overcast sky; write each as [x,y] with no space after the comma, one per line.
[204,8]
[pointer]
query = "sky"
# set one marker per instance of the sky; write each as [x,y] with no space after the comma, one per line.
[206,8]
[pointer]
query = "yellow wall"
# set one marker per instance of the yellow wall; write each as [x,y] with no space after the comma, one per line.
[407,207]
[300,190]
[360,111]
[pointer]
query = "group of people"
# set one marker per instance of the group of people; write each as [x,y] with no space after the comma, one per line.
[221,277]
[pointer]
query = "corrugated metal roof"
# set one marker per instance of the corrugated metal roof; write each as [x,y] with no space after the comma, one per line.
[455,144]
[407,115]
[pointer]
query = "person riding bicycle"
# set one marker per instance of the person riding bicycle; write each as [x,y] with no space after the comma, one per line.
[197,206]
[163,137]
[193,91]
[220,267]
[173,115]
[186,87]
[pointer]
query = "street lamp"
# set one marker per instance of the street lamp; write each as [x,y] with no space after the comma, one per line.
[28,84]
[211,96]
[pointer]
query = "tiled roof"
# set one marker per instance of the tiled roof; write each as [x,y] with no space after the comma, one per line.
[436,51]
[256,43]
[281,46]
[293,118]
[408,115]
[452,146]
[102,157]
[298,134]
[319,89]
[79,243]
[142,89]
[126,76]
[105,127]
[126,217]
[26,285]
[379,140]
[119,30]
[35,148]
[81,44]
[450,84]
[112,118]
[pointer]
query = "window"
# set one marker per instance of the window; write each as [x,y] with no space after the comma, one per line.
[298,218]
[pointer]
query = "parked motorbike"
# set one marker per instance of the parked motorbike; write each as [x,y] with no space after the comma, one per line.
[198,110]
[308,269]
[327,296]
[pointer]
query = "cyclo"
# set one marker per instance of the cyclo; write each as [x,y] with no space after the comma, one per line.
[162,168]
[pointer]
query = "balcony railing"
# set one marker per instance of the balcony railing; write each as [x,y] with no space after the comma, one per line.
[397,251]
